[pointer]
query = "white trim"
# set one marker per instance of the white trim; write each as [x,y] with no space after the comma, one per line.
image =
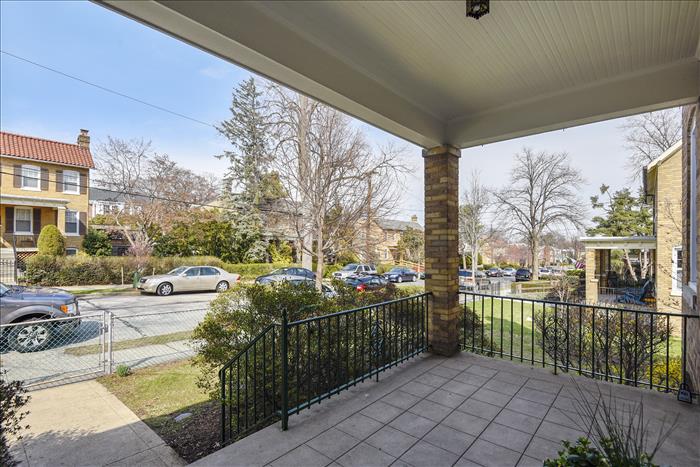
[31,221]
[76,186]
[666,154]
[22,177]
[676,267]
[34,201]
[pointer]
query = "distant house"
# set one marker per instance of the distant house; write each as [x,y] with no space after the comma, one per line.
[43,183]
[387,233]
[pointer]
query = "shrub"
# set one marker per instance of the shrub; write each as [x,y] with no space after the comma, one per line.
[581,454]
[12,398]
[280,252]
[123,370]
[576,273]
[97,243]
[51,241]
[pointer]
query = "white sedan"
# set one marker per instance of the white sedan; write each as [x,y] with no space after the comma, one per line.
[189,279]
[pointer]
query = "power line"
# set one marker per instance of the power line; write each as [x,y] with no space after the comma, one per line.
[106,89]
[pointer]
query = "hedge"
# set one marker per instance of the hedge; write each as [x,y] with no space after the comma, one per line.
[85,270]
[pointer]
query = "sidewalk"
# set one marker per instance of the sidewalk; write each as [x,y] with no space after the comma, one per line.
[83,424]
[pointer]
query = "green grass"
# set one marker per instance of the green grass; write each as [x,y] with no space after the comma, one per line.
[131,343]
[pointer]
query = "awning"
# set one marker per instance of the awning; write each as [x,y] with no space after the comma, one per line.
[620,243]
[34,201]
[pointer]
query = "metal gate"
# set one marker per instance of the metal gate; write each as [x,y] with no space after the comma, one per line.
[63,350]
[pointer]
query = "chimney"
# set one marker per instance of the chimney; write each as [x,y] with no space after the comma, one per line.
[414,218]
[84,139]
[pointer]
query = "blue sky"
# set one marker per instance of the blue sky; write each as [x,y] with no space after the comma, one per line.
[97,45]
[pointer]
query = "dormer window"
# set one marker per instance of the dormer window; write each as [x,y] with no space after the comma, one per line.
[30,177]
[71,182]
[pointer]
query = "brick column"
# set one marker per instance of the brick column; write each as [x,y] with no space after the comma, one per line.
[441,247]
[61,219]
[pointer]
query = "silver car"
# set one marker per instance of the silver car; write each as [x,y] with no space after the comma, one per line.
[189,279]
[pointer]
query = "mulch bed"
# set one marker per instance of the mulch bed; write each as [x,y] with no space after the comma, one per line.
[196,436]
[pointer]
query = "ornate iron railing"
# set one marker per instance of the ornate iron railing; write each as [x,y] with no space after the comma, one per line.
[293,365]
[628,346]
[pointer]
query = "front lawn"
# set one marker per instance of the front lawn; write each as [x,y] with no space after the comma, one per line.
[158,394]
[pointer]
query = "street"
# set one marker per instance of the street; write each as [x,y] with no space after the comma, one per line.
[123,305]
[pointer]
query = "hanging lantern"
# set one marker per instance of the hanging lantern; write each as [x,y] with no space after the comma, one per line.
[477,8]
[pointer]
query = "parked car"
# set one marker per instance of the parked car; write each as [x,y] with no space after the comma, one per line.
[34,305]
[494,272]
[509,272]
[523,274]
[399,274]
[286,273]
[465,278]
[189,279]
[363,283]
[327,291]
[354,269]
[545,271]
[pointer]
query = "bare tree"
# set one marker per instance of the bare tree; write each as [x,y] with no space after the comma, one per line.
[648,135]
[473,213]
[155,190]
[541,195]
[324,164]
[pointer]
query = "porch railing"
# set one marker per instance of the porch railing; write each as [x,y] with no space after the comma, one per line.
[293,365]
[628,346]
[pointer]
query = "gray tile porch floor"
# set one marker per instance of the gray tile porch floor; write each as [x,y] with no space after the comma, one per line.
[466,410]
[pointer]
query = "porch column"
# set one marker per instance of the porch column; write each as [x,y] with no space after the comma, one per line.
[441,247]
[61,219]
[591,279]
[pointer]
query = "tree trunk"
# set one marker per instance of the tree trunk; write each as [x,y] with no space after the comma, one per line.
[464,260]
[319,254]
[475,264]
[628,261]
[535,245]
[307,243]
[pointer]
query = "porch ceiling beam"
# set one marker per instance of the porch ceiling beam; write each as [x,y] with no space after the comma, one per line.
[252,39]
[672,85]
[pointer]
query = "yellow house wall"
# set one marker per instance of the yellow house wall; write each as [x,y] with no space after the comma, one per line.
[668,229]
[76,202]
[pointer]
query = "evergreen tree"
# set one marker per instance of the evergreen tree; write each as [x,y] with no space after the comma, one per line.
[247,179]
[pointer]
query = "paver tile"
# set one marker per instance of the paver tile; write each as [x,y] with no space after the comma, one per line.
[492,397]
[541,449]
[481,371]
[535,395]
[364,455]
[507,437]
[570,419]
[460,388]
[413,424]
[446,398]
[545,386]
[400,399]
[527,461]
[425,454]
[557,433]
[417,389]
[303,455]
[359,426]
[525,406]
[466,423]
[333,443]
[449,439]
[511,378]
[471,378]
[431,380]
[518,421]
[491,455]
[479,408]
[391,441]
[430,410]
[444,371]
[502,387]
[381,411]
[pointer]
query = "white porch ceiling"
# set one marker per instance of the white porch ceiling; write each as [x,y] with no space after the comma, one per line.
[427,73]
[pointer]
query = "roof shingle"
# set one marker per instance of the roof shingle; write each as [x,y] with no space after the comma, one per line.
[38,149]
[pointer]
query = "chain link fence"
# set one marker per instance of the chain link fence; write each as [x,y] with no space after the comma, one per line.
[56,351]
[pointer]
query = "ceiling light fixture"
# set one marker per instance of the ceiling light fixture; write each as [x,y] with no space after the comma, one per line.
[477,8]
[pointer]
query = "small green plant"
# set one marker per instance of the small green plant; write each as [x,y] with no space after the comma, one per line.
[51,242]
[123,370]
[581,454]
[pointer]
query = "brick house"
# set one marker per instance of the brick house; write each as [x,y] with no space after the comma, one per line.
[690,238]
[43,182]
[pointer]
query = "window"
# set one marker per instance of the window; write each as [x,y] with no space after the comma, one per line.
[71,222]
[192,272]
[30,177]
[71,182]
[71,251]
[209,272]
[23,220]
[677,271]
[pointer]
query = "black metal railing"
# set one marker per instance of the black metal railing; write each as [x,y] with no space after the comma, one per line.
[293,365]
[628,346]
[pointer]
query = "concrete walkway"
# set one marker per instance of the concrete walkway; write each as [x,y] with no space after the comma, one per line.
[83,424]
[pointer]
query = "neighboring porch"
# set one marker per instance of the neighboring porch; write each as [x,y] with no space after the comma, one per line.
[465,410]
[24,216]
[605,285]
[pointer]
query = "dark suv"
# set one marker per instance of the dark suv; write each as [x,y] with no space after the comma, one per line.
[31,306]
[522,275]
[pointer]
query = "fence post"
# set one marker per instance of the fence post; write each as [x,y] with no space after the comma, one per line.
[103,342]
[285,375]
[110,330]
